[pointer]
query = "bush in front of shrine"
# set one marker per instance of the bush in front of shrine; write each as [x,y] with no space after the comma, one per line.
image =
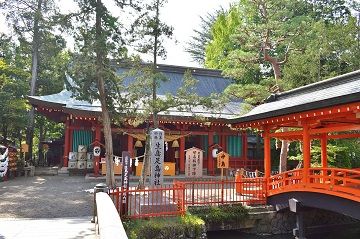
[221,213]
[188,226]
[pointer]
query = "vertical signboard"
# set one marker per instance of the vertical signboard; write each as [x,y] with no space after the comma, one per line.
[223,160]
[157,157]
[194,162]
[125,180]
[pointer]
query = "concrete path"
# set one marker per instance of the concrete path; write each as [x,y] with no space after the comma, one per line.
[46,207]
[55,228]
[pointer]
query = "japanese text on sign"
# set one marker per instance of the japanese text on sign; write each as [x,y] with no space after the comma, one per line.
[223,160]
[157,157]
[194,162]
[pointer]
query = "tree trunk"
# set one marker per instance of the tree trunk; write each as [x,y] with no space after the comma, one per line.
[34,73]
[284,143]
[146,162]
[106,121]
[4,132]
[40,146]
[283,153]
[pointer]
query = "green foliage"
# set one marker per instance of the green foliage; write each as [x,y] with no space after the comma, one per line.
[187,226]
[202,37]
[218,48]
[149,32]
[343,153]
[308,41]
[221,213]
[13,107]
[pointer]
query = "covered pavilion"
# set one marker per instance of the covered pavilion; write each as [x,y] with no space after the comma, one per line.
[328,109]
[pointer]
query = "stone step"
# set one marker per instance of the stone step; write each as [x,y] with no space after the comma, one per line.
[46,171]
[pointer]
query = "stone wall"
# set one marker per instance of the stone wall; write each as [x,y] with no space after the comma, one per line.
[284,221]
[266,221]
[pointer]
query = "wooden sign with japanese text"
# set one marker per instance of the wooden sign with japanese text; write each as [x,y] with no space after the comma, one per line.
[194,162]
[157,157]
[125,179]
[223,160]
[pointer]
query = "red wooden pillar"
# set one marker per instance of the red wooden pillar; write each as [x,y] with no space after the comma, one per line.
[182,155]
[224,144]
[267,153]
[323,141]
[306,151]
[97,143]
[130,147]
[244,146]
[66,143]
[210,158]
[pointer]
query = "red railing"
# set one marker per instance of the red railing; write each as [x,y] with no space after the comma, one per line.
[248,192]
[171,200]
[149,202]
[334,181]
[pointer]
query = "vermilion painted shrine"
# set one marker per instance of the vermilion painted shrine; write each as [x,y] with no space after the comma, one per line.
[182,129]
[329,109]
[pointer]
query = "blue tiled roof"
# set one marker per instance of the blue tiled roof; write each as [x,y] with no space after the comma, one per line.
[209,81]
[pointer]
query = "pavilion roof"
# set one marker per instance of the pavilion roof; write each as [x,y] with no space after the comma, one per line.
[209,81]
[338,90]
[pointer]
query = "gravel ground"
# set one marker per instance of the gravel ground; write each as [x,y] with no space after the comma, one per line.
[46,197]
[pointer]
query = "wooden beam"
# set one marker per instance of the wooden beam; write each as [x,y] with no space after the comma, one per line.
[182,155]
[66,143]
[332,112]
[286,134]
[267,153]
[339,128]
[210,158]
[323,142]
[306,151]
[344,136]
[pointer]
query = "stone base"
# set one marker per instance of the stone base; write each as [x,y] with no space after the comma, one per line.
[63,171]
[29,171]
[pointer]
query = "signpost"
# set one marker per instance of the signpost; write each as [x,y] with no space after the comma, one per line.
[24,148]
[125,180]
[194,162]
[223,162]
[157,157]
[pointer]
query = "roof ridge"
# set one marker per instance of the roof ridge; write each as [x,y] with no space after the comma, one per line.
[178,69]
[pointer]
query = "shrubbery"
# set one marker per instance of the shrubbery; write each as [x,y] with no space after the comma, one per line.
[188,226]
[221,213]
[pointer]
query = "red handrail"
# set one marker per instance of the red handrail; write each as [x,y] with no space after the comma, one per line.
[334,181]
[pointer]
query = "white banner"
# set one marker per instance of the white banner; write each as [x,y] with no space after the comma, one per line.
[157,157]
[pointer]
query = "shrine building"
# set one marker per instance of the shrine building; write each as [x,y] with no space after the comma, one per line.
[183,130]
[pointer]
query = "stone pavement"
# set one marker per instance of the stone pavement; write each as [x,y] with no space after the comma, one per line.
[46,207]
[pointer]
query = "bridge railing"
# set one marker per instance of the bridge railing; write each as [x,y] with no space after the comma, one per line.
[336,181]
